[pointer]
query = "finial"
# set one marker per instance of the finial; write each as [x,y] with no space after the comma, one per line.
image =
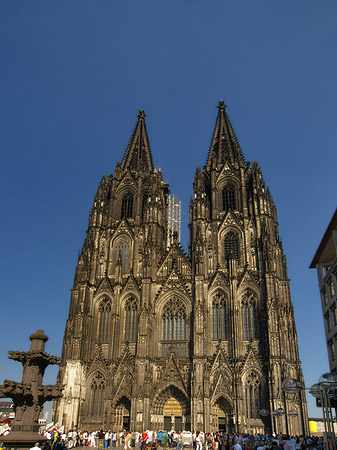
[141,114]
[39,335]
[222,105]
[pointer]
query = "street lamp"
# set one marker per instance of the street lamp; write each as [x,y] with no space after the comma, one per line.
[291,386]
[278,413]
[324,390]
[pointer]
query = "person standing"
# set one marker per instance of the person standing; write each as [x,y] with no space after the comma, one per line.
[114,439]
[100,439]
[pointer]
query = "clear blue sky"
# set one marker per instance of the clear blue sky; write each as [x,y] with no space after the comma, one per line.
[73,76]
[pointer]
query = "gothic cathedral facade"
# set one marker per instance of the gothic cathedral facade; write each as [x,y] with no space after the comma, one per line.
[157,339]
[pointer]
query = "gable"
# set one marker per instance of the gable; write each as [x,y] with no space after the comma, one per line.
[174,258]
[174,282]
[131,285]
[104,288]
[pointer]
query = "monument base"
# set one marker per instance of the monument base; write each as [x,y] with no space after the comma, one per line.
[22,439]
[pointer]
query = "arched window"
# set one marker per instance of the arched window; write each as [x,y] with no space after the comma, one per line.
[144,205]
[131,319]
[253,396]
[231,246]
[96,395]
[104,320]
[122,253]
[228,197]
[249,319]
[127,206]
[219,316]
[174,320]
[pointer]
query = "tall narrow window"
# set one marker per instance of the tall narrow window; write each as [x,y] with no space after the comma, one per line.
[219,316]
[96,395]
[144,205]
[131,319]
[228,197]
[332,351]
[174,320]
[104,320]
[122,253]
[231,246]
[127,206]
[253,396]
[249,319]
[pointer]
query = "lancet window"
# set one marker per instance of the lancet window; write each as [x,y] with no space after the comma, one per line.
[127,206]
[231,246]
[249,317]
[131,319]
[253,396]
[228,197]
[219,316]
[104,321]
[96,395]
[122,253]
[174,320]
[144,205]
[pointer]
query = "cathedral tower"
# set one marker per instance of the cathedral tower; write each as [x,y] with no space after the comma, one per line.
[156,339]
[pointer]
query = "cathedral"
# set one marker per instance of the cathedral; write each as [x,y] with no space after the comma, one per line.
[160,339]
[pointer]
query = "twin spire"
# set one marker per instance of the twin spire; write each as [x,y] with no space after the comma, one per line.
[138,154]
[224,146]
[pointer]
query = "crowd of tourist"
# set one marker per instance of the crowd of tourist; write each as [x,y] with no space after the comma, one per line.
[151,440]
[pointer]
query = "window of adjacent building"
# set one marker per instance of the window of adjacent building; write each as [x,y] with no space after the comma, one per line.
[331,289]
[174,320]
[328,321]
[332,352]
[104,321]
[219,316]
[131,319]
[334,312]
[231,246]
[122,253]
[96,395]
[249,317]
[253,396]
[228,197]
[127,206]
[325,298]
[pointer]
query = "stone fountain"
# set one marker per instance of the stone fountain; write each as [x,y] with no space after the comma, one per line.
[30,395]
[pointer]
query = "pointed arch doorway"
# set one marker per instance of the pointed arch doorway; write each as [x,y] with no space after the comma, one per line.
[221,415]
[173,415]
[171,410]
[123,409]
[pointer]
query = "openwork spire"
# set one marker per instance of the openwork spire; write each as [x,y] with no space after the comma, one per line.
[138,154]
[224,146]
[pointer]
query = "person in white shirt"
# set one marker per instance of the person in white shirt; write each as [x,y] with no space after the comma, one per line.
[237,445]
[114,439]
[35,446]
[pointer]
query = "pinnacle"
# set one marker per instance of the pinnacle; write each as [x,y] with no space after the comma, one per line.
[221,106]
[141,114]
[224,146]
[138,154]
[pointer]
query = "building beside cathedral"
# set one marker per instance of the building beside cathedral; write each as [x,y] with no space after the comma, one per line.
[156,339]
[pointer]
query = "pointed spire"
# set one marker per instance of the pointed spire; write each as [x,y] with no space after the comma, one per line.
[138,154]
[224,146]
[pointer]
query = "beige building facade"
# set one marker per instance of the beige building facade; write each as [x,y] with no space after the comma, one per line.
[159,339]
[325,261]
